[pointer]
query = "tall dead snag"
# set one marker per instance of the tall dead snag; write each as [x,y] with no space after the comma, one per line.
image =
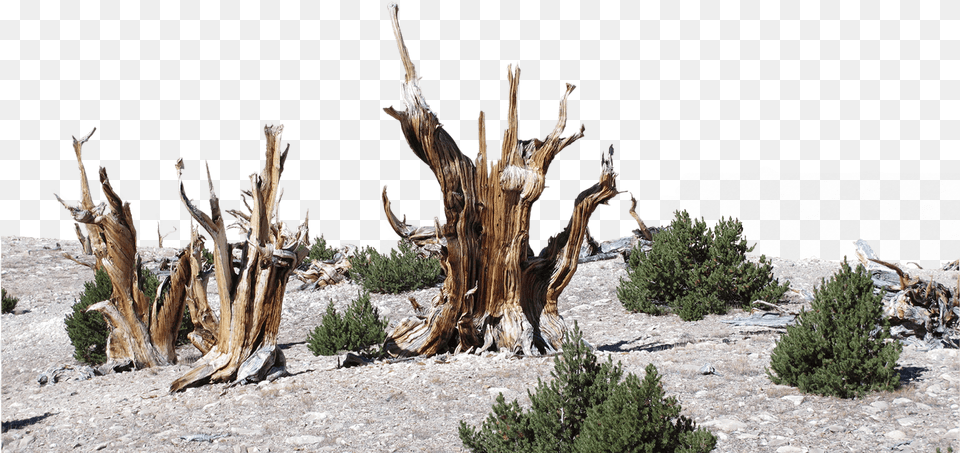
[141,334]
[496,292]
[251,287]
[91,240]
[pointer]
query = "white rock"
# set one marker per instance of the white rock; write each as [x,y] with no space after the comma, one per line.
[882,405]
[726,424]
[316,416]
[896,435]
[795,399]
[899,401]
[304,440]
[907,421]
[507,393]
[789,449]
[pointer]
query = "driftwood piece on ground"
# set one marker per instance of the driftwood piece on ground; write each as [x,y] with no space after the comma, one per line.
[251,289]
[921,311]
[141,334]
[319,274]
[763,319]
[497,293]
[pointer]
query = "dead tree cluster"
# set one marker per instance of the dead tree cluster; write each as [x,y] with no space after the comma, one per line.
[497,292]
[241,343]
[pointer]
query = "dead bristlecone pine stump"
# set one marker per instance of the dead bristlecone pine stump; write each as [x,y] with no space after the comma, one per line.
[497,293]
[142,334]
[251,278]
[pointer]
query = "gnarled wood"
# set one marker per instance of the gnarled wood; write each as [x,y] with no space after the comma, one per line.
[141,334]
[251,288]
[496,292]
[188,283]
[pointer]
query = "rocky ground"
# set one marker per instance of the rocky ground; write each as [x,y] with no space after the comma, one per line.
[417,405]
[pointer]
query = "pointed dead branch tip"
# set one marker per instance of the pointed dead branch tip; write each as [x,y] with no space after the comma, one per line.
[607,161]
[390,111]
[210,180]
[83,139]
[643,227]
[283,157]
[409,69]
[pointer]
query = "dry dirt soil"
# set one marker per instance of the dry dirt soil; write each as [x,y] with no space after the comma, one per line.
[417,405]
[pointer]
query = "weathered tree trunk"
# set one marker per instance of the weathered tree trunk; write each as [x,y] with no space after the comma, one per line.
[141,334]
[187,284]
[251,288]
[496,292]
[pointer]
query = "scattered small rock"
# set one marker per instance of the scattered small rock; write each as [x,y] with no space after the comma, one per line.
[304,440]
[795,399]
[896,434]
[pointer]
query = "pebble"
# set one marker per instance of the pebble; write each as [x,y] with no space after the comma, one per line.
[789,449]
[795,399]
[304,440]
[907,421]
[726,424]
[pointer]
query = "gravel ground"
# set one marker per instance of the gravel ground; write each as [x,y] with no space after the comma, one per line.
[417,405]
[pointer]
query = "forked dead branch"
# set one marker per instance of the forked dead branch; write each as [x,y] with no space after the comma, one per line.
[497,293]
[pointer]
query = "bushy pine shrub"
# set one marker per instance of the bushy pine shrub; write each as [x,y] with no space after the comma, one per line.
[9,302]
[88,331]
[842,345]
[697,271]
[401,271]
[588,408]
[358,328]
[320,251]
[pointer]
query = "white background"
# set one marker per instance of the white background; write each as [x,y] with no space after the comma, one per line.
[814,123]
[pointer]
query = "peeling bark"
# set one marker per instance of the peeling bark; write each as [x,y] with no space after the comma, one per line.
[497,293]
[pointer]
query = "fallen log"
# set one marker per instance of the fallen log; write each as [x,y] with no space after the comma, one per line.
[321,273]
[921,311]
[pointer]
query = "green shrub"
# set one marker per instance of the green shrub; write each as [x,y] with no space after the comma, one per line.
[320,251]
[206,257]
[588,408]
[697,271]
[88,331]
[9,302]
[394,274]
[357,329]
[842,345]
